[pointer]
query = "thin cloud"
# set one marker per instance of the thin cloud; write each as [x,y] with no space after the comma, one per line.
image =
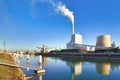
[32,4]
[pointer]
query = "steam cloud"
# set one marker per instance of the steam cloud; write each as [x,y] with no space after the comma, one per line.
[65,11]
[60,7]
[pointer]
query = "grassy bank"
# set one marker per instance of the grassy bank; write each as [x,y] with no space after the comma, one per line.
[6,56]
[9,73]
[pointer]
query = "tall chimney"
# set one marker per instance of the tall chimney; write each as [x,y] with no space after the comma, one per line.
[72,29]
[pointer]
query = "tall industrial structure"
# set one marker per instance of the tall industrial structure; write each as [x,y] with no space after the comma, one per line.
[72,29]
[43,49]
[103,40]
[75,40]
[4,46]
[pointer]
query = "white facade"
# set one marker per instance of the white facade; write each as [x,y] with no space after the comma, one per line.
[75,40]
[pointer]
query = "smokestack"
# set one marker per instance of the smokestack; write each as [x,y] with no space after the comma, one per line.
[72,29]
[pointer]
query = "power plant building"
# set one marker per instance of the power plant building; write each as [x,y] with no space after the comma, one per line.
[75,40]
[102,42]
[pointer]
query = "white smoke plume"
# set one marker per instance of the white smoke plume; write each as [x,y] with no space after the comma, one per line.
[65,11]
[60,7]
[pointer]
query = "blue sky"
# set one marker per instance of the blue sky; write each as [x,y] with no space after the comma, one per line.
[25,24]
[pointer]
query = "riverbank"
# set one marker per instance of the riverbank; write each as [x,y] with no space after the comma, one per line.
[103,56]
[10,73]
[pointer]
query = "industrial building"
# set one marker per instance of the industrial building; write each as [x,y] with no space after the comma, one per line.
[102,42]
[75,40]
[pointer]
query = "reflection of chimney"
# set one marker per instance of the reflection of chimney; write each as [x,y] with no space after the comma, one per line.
[72,29]
[73,77]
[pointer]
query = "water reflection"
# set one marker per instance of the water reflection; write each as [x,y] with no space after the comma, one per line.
[76,69]
[103,68]
[71,68]
[19,58]
[44,60]
[33,77]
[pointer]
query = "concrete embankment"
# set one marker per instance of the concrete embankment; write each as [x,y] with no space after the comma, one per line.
[8,72]
[105,56]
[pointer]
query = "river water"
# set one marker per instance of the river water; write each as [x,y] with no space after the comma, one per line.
[66,68]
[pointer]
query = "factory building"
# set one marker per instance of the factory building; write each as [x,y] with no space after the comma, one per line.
[103,40]
[75,40]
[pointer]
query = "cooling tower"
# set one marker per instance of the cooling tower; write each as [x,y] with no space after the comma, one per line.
[103,40]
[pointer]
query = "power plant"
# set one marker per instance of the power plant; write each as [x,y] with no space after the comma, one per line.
[102,42]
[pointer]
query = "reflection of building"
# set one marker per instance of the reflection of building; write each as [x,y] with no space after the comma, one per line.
[103,40]
[44,60]
[43,49]
[76,69]
[103,68]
